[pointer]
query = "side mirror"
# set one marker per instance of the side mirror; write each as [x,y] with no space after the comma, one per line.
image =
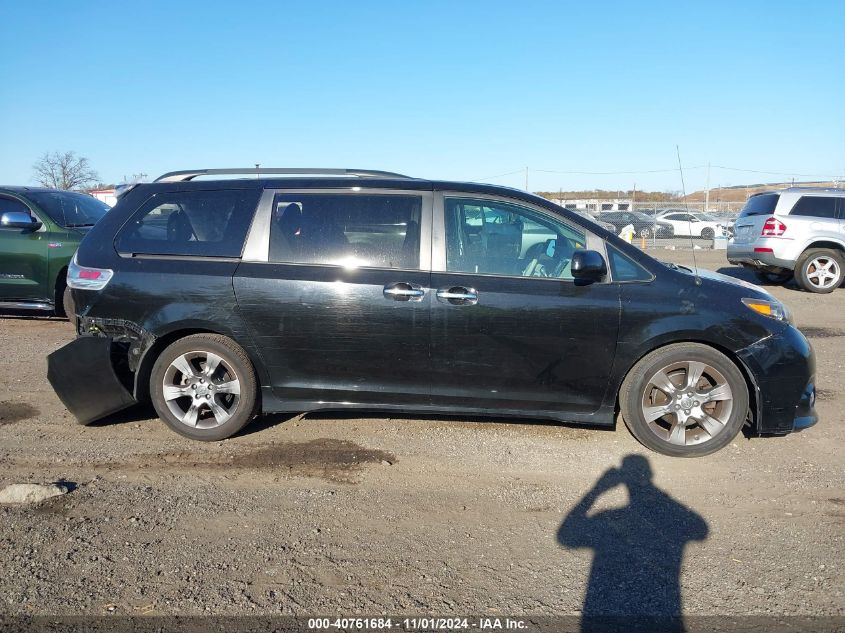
[18,220]
[588,265]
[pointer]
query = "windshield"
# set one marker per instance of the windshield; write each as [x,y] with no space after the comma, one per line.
[70,209]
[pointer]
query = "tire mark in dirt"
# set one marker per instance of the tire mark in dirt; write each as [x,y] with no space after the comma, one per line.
[821,332]
[825,394]
[331,459]
[11,412]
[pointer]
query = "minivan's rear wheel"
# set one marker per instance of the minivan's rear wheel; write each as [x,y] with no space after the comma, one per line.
[819,270]
[203,386]
[684,400]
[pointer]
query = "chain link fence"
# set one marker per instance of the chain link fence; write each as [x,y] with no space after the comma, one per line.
[675,225]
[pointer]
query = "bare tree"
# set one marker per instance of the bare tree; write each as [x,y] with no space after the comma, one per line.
[64,170]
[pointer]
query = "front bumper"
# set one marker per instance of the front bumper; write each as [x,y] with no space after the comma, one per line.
[83,376]
[782,368]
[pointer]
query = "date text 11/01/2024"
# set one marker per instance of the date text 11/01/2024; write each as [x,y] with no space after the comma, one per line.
[417,624]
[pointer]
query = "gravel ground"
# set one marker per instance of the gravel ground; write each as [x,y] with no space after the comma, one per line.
[343,514]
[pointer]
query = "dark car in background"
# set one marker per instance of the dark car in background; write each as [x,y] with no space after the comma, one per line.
[220,299]
[40,230]
[644,225]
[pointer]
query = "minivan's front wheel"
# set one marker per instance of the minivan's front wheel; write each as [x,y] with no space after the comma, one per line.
[819,270]
[203,386]
[684,400]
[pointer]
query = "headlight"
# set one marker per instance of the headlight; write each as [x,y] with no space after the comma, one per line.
[771,309]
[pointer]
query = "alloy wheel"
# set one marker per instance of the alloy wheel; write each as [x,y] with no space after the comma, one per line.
[823,272]
[687,403]
[201,389]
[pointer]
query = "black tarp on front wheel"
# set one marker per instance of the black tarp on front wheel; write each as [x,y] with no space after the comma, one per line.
[83,377]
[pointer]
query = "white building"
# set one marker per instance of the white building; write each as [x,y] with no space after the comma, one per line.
[105,195]
[596,205]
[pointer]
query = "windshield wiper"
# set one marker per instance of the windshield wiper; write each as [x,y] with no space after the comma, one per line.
[76,226]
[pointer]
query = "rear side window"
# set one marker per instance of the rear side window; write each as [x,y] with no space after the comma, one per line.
[200,223]
[815,206]
[760,205]
[380,231]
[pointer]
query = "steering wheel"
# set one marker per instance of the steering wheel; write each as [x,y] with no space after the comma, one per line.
[542,265]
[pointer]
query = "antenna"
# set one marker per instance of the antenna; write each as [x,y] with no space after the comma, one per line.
[689,222]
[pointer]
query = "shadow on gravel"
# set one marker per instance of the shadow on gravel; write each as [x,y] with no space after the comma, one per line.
[483,422]
[24,315]
[136,413]
[746,274]
[638,550]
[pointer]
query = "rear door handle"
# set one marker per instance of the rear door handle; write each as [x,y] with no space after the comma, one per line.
[403,291]
[458,296]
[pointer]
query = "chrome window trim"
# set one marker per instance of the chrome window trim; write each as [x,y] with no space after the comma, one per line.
[257,247]
[438,249]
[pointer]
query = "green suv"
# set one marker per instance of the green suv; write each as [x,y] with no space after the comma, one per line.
[40,230]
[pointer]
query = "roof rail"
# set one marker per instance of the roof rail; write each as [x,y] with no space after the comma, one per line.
[190,174]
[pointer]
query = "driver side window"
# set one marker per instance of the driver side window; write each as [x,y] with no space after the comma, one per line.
[489,237]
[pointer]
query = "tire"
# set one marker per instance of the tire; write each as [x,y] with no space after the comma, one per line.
[820,270]
[67,307]
[773,278]
[60,299]
[195,395]
[644,232]
[708,233]
[706,425]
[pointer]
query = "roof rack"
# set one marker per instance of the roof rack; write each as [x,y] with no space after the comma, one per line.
[190,174]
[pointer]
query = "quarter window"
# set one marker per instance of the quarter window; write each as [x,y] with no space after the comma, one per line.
[200,223]
[351,230]
[499,238]
[624,268]
[815,206]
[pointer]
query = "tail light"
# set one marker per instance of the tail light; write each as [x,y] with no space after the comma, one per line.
[773,228]
[87,278]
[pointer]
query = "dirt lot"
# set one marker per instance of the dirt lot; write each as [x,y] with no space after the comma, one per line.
[337,514]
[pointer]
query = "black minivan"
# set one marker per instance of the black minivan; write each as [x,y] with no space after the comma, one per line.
[302,289]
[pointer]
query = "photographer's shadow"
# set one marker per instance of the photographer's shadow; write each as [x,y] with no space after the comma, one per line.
[638,550]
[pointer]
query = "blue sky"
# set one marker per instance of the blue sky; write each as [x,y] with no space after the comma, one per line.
[453,90]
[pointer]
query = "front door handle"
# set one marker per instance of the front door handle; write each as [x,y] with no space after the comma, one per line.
[403,291]
[458,296]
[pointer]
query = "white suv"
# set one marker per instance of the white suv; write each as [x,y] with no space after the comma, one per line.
[798,231]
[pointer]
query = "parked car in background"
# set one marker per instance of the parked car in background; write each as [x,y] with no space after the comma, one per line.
[366,290]
[644,225]
[607,226]
[39,231]
[799,231]
[693,224]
